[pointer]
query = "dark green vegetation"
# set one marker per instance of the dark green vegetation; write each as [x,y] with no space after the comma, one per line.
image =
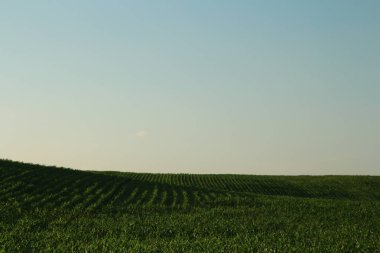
[56,209]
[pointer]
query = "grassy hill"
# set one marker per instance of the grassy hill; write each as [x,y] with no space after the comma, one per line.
[47,208]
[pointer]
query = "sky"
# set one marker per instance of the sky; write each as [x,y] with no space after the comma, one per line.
[249,87]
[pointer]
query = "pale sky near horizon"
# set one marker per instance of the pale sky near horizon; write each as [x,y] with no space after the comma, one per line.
[249,87]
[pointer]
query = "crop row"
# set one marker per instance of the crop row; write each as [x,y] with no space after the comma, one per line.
[92,191]
[336,187]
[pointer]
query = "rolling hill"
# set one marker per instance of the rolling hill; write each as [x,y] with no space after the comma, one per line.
[43,186]
[44,208]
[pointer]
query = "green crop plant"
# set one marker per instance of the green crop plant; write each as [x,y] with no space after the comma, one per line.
[45,209]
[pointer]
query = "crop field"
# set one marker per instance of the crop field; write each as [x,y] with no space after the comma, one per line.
[45,209]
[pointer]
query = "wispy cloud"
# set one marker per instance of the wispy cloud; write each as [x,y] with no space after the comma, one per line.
[141,133]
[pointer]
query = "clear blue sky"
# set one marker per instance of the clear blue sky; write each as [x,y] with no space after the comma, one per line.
[255,87]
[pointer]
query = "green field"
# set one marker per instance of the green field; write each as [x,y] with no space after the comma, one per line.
[64,210]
